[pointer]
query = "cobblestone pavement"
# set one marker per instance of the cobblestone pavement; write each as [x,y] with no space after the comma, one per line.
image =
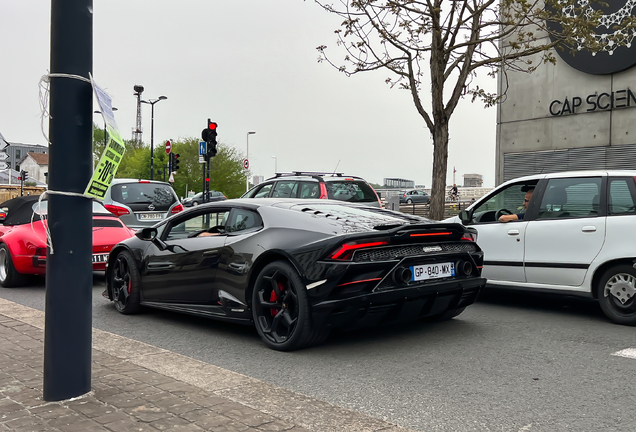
[139,387]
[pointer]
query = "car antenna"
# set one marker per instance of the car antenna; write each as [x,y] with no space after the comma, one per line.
[334,170]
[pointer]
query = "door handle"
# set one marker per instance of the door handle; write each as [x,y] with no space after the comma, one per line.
[589,228]
[513,232]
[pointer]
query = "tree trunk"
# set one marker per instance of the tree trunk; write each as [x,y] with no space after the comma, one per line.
[440,161]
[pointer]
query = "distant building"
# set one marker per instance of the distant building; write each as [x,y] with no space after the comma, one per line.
[399,183]
[473,180]
[257,179]
[37,165]
[17,152]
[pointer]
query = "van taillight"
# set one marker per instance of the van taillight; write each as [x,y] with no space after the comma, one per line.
[116,210]
[176,209]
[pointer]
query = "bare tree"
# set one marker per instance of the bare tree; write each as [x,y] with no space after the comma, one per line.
[440,44]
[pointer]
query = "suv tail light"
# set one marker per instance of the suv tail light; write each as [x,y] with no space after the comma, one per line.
[176,209]
[345,252]
[116,210]
[323,191]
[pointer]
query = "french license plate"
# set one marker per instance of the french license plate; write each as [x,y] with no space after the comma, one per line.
[100,258]
[432,271]
[149,216]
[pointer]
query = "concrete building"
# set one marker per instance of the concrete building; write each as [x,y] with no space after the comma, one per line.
[37,165]
[473,180]
[575,115]
[399,183]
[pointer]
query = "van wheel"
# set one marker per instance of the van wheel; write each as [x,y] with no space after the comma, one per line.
[616,293]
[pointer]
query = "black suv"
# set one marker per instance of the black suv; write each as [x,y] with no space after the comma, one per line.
[299,184]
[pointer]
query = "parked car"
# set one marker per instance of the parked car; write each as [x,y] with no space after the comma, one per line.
[141,203]
[23,238]
[315,185]
[414,196]
[575,237]
[296,268]
[198,198]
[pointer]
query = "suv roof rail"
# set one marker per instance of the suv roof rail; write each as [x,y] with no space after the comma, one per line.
[309,173]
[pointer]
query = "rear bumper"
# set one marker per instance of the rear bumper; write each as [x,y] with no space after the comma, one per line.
[397,305]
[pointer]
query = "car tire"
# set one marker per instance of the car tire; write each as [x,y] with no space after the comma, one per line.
[618,282]
[195,203]
[284,324]
[409,201]
[9,276]
[124,283]
[448,315]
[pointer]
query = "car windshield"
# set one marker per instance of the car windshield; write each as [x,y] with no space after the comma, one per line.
[159,195]
[350,190]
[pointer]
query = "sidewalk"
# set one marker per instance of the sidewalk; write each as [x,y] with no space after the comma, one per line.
[139,387]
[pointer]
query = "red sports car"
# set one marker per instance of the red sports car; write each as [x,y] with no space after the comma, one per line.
[23,238]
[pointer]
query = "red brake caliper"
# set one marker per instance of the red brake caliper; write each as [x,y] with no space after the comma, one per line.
[129,285]
[273,298]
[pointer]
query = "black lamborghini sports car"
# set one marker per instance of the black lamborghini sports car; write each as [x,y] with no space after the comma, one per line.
[297,269]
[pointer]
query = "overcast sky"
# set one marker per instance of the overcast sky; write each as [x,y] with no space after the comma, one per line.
[249,65]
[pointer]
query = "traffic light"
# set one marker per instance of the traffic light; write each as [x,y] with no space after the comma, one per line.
[209,136]
[175,161]
[23,175]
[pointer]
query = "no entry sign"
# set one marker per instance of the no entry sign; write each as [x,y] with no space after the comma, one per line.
[246,164]
[168,147]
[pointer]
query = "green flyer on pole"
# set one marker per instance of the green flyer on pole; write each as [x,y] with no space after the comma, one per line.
[113,153]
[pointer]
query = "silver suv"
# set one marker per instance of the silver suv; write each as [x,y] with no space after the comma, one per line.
[141,203]
[299,184]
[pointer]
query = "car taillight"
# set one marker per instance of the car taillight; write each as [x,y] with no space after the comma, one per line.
[323,191]
[469,237]
[144,181]
[116,210]
[176,209]
[429,234]
[345,252]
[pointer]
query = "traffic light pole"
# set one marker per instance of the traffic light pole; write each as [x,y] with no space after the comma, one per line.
[69,269]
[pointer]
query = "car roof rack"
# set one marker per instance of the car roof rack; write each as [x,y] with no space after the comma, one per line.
[309,173]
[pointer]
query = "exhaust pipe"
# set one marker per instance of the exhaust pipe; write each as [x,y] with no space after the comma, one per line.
[465,267]
[402,275]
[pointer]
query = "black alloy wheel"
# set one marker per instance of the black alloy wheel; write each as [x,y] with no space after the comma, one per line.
[125,284]
[9,276]
[280,309]
[616,293]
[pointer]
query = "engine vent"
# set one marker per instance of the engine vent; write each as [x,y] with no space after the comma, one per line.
[393,252]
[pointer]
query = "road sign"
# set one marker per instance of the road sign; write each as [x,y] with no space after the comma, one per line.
[201,159]
[3,143]
[203,148]
[168,147]
[246,164]
[4,166]
[3,156]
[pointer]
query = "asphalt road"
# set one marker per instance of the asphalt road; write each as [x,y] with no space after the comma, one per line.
[511,362]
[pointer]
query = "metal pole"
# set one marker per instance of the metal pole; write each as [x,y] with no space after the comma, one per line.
[247,156]
[68,305]
[152,139]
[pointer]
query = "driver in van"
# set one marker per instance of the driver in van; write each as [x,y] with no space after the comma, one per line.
[518,216]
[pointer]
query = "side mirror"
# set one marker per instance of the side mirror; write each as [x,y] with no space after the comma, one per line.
[148,234]
[465,216]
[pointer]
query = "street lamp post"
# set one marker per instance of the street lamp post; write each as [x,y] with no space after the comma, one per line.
[275,164]
[105,131]
[152,103]
[247,156]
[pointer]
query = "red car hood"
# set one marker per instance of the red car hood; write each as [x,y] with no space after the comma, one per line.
[107,232]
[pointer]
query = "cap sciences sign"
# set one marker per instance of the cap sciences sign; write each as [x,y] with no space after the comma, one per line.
[612,58]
